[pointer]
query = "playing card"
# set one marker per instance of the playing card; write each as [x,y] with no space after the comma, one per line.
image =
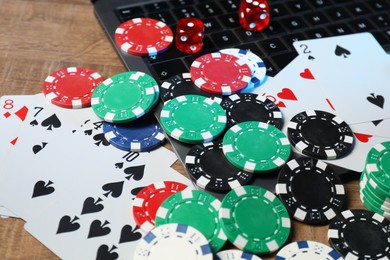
[353,71]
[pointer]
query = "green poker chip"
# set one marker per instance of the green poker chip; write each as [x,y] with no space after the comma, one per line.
[193,118]
[371,205]
[254,219]
[256,147]
[374,194]
[125,97]
[378,164]
[195,208]
[374,184]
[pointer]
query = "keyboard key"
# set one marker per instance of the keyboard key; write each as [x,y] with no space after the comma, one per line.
[317,33]
[294,37]
[253,48]
[209,9]
[225,38]
[165,17]
[361,25]
[316,18]
[127,13]
[379,5]
[273,46]
[357,9]
[278,10]
[157,7]
[170,68]
[337,13]
[211,25]
[229,20]
[271,68]
[248,36]
[339,29]
[298,6]
[187,11]
[381,20]
[230,5]
[294,23]
[273,28]
[182,2]
[321,3]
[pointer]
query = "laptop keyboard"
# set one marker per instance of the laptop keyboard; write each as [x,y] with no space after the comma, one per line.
[290,21]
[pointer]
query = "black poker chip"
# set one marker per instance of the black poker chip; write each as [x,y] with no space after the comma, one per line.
[360,234]
[251,107]
[320,134]
[209,168]
[179,85]
[310,190]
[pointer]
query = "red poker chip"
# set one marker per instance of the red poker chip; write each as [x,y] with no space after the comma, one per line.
[71,87]
[143,36]
[149,199]
[220,73]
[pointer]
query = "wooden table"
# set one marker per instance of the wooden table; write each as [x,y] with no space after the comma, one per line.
[38,37]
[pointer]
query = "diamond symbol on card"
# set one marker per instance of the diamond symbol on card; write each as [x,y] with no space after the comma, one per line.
[7,114]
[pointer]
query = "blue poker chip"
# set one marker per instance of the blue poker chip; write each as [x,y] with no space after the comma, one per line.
[141,135]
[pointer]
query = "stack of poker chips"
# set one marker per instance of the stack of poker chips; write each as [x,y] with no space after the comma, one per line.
[375,180]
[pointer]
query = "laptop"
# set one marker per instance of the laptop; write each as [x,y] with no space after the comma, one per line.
[291,20]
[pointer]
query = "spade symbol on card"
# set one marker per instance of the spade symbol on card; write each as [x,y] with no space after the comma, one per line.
[137,172]
[92,206]
[377,122]
[34,122]
[67,224]
[101,140]
[51,122]
[340,51]
[37,148]
[88,132]
[377,100]
[105,253]
[119,165]
[129,235]
[114,188]
[41,188]
[98,229]
[310,57]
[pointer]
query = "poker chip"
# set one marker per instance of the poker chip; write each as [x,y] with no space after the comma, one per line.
[149,199]
[197,209]
[255,63]
[180,85]
[310,190]
[173,242]
[368,180]
[234,254]
[251,107]
[320,134]
[220,74]
[71,87]
[143,36]
[193,118]
[210,170]
[378,164]
[375,205]
[360,234]
[256,147]
[141,135]
[374,193]
[254,219]
[307,250]
[124,97]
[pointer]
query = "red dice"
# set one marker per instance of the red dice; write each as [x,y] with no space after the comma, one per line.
[254,15]
[189,35]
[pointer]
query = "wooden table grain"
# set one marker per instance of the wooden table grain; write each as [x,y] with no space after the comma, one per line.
[38,37]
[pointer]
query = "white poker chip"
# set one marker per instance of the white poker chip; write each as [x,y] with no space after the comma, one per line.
[173,242]
[235,254]
[307,250]
[255,63]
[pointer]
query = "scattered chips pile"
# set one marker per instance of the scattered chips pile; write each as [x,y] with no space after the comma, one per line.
[307,250]
[375,180]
